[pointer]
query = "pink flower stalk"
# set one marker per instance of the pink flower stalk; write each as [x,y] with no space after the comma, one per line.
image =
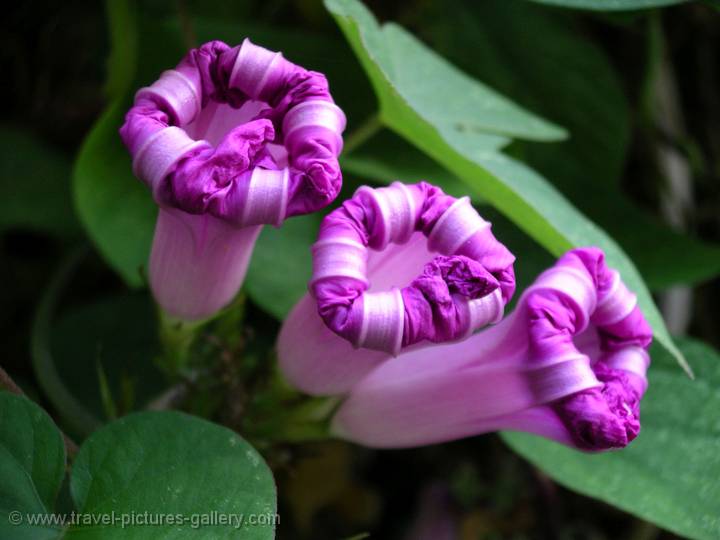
[367,302]
[568,364]
[229,140]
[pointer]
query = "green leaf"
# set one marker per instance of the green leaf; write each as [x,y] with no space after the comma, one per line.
[35,183]
[73,348]
[122,23]
[114,206]
[70,409]
[537,58]
[115,337]
[418,89]
[669,474]
[170,463]
[281,265]
[155,463]
[32,466]
[535,259]
[517,191]
[386,158]
[610,5]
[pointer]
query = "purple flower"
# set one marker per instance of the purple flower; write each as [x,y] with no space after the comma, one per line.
[372,303]
[231,139]
[568,364]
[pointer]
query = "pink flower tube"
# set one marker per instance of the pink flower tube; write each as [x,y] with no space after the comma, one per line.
[229,140]
[568,364]
[367,301]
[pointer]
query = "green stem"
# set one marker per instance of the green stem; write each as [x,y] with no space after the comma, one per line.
[362,133]
[310,420]
[176,337]
[75,415]
[282,414]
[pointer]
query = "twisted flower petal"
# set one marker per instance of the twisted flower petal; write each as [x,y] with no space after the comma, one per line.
[527,373]
[231,139]
[376,241]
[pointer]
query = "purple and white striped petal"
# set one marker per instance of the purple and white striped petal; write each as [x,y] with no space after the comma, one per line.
[229,140]
[527,373]
[366,288]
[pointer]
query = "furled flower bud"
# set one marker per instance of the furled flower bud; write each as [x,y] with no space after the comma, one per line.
[367,301]
[568,364]
[230,140]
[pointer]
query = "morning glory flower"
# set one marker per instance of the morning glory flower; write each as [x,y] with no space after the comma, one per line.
[394,268]
[568,364]
[231,139]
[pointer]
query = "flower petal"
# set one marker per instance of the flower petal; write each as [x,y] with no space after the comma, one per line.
[316,360]
[448,301]
[209,176]
[525,373]
[198,262]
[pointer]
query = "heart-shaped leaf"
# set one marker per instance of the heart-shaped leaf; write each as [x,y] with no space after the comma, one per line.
[145,476]
[213,483]
[387,158]
[104,355]
[281,266]
[115,208]
[32,466]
